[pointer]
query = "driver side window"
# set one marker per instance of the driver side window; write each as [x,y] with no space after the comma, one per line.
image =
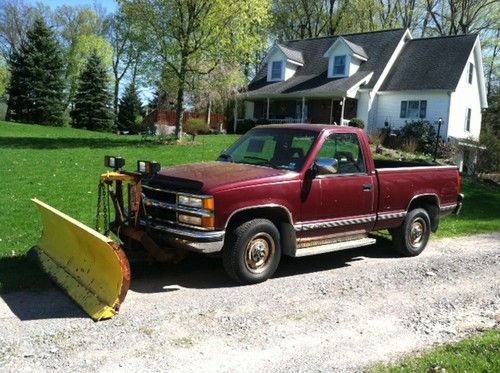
[341,154]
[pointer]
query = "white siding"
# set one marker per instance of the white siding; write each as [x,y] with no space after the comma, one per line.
[290,69]
[389,107]
[466,96]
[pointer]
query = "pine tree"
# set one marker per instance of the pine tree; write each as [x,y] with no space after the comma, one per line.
[93,101]
[130,110]
[36,93]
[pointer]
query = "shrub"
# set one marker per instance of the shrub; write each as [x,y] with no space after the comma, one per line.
[422,132]
[196,126]
[357,122]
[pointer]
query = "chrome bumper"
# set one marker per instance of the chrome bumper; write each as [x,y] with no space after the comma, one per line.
[205,242]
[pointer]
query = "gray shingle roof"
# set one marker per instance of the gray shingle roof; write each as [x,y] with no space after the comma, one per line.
[312,77]
[292,54]
[433,63]
[356,48]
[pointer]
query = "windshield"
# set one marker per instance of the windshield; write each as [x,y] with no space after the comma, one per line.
[282,148]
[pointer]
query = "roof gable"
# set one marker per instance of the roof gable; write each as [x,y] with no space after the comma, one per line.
[357,50]
[432,63]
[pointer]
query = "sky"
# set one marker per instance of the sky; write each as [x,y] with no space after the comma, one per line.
[109,5]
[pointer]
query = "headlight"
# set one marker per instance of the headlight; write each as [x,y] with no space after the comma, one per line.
[190,201]
[190,219]
[197,202]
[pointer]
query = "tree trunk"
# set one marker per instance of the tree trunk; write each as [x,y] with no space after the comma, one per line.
[179,111]
[209,112]
[115,96]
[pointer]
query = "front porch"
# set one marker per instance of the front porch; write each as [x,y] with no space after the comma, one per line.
[333,110]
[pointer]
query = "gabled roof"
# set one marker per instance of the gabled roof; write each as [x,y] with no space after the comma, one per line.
[292,54]
[357,50]
[432,63]
[312,76]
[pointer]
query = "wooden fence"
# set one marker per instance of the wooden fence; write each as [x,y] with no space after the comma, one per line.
[168,117]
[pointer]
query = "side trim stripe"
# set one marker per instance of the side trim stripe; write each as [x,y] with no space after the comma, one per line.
[391,215]
[334,223]
[448,208]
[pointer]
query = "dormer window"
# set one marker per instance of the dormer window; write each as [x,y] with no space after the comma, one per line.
[276,69]
[339,65]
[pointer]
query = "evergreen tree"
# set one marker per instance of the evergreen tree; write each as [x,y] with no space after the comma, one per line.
[36,93]
[130,110]
[93,108]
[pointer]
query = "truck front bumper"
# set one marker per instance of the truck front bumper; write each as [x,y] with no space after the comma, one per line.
[205,242]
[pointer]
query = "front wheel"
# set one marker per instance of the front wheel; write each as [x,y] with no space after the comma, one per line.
[412,236]
[252,251]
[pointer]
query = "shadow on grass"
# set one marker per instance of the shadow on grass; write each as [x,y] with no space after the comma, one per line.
[32,303]
[200,272]
[69,142]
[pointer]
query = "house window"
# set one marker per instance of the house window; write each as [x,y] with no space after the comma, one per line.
[276,68]
[413,109]
[467,120]
[339,65]
[471,72]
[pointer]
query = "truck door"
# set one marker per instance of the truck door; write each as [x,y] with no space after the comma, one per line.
[345,189]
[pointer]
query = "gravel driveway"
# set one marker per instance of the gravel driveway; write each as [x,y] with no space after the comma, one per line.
[341,311]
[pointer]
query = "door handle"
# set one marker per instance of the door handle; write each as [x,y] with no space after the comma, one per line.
[367,187]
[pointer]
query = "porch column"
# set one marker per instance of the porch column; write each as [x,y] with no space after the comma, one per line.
[342,111]
[235,115]
[331,111]
[302,111]
[267,109]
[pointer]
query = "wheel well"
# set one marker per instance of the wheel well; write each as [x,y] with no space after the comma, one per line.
[431,205]
[279,216]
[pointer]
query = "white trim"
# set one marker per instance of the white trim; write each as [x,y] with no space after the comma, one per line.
[480,73]
[340,39]
[391,61]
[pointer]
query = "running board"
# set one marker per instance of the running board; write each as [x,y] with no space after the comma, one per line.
[338,246]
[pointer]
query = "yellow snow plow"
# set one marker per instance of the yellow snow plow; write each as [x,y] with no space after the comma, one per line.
[88,265]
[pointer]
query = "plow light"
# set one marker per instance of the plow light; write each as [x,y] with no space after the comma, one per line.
[148,167]
[114,162]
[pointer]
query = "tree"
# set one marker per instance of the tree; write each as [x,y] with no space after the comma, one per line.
[185,32]
[130,111]
[93,108]
[36,92]
[83,31]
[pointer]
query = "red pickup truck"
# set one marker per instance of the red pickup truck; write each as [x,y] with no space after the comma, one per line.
[295,190]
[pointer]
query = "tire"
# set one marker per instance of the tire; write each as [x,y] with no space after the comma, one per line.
[411,238]
[252,251]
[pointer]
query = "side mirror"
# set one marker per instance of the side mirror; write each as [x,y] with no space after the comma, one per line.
[325,166]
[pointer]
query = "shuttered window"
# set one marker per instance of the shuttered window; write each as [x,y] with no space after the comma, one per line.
[413,109]
[471,72]
[276,68]
[467,119]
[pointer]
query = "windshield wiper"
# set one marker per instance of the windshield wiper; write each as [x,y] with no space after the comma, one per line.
[265,162]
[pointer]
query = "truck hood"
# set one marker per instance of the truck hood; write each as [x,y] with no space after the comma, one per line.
[210,177]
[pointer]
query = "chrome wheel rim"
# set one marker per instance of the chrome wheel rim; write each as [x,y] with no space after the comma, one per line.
[416,233]
[259,252]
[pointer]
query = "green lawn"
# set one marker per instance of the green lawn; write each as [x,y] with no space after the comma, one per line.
[476,354]
[61,166]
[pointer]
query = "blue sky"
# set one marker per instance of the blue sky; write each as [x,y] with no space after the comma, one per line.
[109,5]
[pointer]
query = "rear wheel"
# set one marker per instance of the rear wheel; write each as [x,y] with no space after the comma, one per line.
[412,236]
[252,251]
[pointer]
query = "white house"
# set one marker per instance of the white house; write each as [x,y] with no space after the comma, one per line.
[385,78]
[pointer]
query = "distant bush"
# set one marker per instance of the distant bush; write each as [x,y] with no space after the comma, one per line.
[357,122]
[196,126]
[422,132]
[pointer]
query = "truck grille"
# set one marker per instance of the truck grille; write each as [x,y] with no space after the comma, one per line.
[160,214]
[159,194]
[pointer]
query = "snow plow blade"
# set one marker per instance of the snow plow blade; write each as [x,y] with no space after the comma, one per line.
[91,268]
